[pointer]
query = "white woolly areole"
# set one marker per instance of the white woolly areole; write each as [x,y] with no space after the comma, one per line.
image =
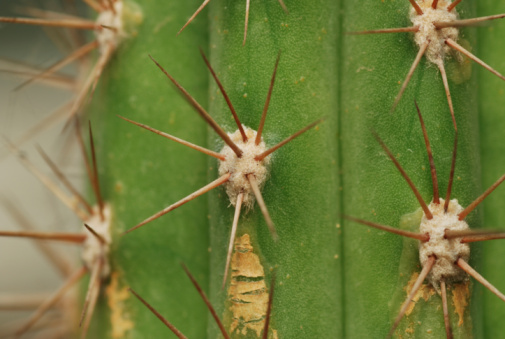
[246,164]
[447,251]
[107,36]
[437,49]
[93,249]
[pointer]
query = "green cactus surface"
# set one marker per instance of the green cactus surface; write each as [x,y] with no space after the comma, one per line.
[333,277]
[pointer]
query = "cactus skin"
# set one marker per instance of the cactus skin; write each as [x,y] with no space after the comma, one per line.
[364,300]
[492,125]
[377,266]
[142,173]
[302,193]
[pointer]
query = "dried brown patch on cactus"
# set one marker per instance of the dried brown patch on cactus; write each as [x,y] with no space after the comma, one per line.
[247,293]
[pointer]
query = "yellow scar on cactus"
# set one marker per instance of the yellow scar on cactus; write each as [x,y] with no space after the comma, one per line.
[248,293]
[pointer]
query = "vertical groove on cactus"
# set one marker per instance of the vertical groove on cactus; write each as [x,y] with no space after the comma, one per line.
[492,123]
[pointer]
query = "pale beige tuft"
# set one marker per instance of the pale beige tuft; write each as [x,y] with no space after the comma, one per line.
[246,164]
[447,251]
[437,49]
[114,20]
[93,249]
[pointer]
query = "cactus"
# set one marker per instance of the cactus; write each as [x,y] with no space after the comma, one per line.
[334,278]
